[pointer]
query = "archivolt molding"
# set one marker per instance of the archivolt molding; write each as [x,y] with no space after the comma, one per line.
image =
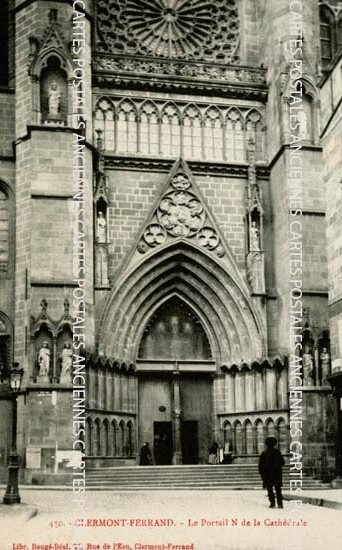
[233,327]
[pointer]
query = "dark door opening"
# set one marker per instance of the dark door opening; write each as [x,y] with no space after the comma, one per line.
[162,442]
[189,439]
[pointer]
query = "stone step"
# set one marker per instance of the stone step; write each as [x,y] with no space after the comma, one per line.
[204,476]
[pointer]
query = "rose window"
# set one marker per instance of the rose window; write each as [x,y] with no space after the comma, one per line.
[183,29]
[181,213]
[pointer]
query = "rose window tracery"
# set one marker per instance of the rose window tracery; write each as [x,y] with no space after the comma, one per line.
[180,214]
[183,29]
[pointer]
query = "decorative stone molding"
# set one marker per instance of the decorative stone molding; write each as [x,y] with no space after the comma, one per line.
[113,162]
[200,71]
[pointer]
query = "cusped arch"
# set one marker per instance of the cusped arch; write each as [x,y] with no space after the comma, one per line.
[191,111]
[213,113]
[185,270]
[170,109]
[104,103]
[42,60]
[148,107]
[234,115]
[126,105]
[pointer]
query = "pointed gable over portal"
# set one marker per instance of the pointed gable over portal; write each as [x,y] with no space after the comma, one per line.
[181,255]
[182,214]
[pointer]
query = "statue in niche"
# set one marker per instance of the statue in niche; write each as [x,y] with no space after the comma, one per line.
[101,228]
[325,364]
[66,362]
[308,367]
[44,359]
[54,100]
[254,237]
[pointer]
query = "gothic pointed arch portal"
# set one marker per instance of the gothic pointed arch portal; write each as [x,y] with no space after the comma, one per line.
[180,310]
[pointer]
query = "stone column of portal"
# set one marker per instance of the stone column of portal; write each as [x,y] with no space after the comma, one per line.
[227,393]
[177,453]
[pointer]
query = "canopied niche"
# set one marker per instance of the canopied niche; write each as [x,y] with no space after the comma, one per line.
[51,76]
[101,204]
[174,332]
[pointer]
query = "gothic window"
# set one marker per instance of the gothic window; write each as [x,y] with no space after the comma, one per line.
[238,438]
[326,35]
[235,138]
[88,438]
[149,129]
[282,436]
[228,437]
[213,134]
[170,130]
[130,439]
[249,437]
[106,448]
[270,429]
[115,437]
[260,436]
[330,33]
[100,124]
[122,432]
[255,130]
[104,121]
[4,40]
[97,438]
[192,132]
[4,231]
[127,133]
[174,332]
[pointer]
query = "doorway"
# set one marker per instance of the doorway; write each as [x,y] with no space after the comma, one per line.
[189,441]
[162,442]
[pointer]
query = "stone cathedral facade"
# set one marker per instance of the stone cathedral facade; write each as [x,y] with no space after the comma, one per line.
[187,161]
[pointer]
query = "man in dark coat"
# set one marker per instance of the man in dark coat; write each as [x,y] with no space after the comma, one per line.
[145,455]
[271,463]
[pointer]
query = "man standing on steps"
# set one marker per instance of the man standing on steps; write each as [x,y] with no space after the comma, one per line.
[271,463]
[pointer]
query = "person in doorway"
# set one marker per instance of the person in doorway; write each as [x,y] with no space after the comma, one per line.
[271,464]
[145,455]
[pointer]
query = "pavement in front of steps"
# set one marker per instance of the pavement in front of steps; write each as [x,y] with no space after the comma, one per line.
[195,520]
